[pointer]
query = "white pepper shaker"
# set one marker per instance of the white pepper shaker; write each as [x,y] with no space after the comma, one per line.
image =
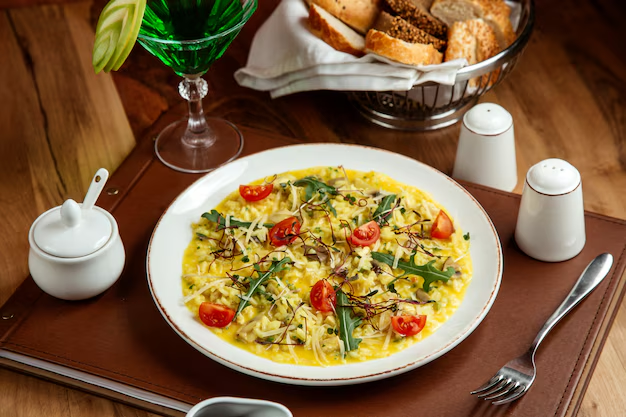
[551,221]
[486,150]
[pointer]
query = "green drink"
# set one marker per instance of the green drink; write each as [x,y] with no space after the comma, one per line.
[189,35]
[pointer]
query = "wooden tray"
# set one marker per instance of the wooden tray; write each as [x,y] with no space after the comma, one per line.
[118,345]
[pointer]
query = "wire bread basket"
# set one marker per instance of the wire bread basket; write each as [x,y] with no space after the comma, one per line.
[431,106]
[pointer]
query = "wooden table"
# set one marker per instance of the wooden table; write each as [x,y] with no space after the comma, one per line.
[59,122]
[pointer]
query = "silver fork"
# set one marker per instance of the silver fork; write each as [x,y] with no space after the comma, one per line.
[513,379]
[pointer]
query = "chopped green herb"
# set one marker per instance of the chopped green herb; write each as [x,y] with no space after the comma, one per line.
[312,185]
[330,331]
[331,208]
[347,322]
[245,259]
[402,210]
[191,286]
[215,217]
[262,277]
[201,236]
[384,209]
[428,271]
[466,236]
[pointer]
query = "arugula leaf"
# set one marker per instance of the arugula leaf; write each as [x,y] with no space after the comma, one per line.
[331,208]
[382,211]
[347,322]
[262,277]
[428,271]
[312,185]
[220,219]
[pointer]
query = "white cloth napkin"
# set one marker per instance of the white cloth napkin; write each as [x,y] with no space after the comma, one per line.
[286,58]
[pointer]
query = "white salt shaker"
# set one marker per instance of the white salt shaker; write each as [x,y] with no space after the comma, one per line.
[551,221]
[75,250]
[486,150]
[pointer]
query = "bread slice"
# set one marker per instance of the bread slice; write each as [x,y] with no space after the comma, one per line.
[495,12]
[334,32]
[397,27]
[398,50]
[419,17]
[358,14]
[423,3]
[475,41]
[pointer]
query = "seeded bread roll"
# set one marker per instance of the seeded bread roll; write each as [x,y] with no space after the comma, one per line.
[419,17]
[397,27]
[334,32]
[495,12]
[475,41]
[358,14]
[398,50]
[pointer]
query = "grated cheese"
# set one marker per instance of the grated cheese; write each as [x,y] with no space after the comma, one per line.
[399,253]
[251,228]
[291,350]
[204,288]
[294,197]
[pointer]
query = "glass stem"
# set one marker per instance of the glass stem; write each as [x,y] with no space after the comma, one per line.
[198,134]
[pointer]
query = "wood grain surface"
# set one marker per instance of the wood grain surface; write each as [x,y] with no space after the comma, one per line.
[59,122]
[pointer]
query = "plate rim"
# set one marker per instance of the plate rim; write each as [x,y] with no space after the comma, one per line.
[299,380]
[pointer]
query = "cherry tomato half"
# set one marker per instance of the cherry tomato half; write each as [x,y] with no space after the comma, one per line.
[255,192]
[285,231]
[442,227]
[408,325]
[323,296]
[366,234]
[215,315]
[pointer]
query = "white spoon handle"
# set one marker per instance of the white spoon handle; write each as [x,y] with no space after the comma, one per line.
[95,188]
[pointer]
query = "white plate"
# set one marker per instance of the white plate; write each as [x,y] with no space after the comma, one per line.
[173,233]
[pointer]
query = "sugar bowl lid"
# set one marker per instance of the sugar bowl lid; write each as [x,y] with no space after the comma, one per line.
[74,230]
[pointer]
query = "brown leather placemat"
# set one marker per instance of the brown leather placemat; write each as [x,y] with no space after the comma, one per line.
[121,336]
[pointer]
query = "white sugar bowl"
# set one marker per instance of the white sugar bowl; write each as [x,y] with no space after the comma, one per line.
[75,249]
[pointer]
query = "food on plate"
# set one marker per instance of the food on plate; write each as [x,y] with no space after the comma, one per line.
[398,50]
[411,31]
[397,27]
[475,41]
[333,266]
[495,12]
[419,17]
[334,32]
[358,14]
[255,192]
